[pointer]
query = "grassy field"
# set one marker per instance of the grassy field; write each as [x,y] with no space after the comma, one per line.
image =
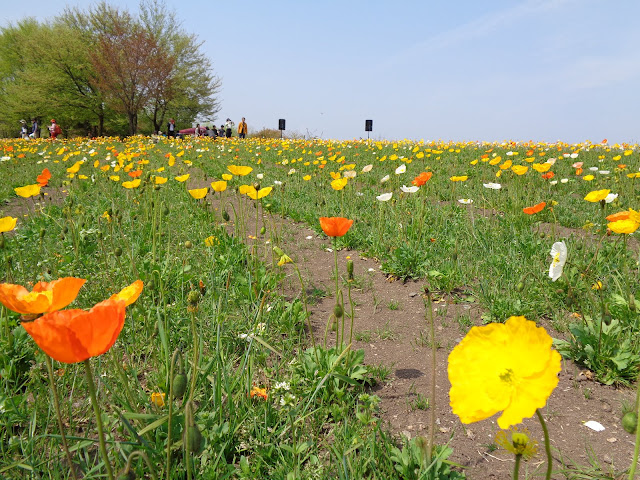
[259,399]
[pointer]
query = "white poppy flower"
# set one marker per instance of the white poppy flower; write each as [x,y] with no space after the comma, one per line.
[492,186]
[611,197]
[277,182]
[564,180]
[260,176]
[509,154]
[384,179]
[292,171]
[553,182]
[385,197]
[593,169]
[465,201]
[559,254]
[551,161]
[349,174]
[574,155]
[367,168]
[406,189]
[401,169]
[604,172]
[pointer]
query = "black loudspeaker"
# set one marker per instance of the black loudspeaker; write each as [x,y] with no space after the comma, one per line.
[368,125]
[281,124]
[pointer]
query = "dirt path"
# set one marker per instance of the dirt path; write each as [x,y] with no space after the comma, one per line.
[391,326]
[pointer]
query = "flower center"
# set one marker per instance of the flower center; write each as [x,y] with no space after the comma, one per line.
[507,376]
[556,259]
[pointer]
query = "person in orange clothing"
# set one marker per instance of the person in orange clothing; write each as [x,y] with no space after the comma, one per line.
[54,129]
[242,129]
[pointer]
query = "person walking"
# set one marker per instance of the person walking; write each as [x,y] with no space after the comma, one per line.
[242,129]
[35,129]
[171,128]
[228,126]
[24,130]
[54,129]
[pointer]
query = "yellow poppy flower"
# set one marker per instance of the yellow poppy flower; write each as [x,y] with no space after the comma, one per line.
[541,167]
[624,226]
[227,177]
[506,165]
[256,195]
[588,178]
[132,184]
[340,183]
[219,186]
[495,161]
[115,178]
[597,195]
[183,178]
[7,224]
[519,169]
[306,178]
[160,180]
[210,241]
[239,171]
[462,178]
[28,190]
[506,367]
[199,193]
[243,189]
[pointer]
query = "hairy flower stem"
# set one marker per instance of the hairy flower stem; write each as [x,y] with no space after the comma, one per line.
[56,405]
[636,448]
[176,355]
[432,404]
[516,467]
[141,454]
[547,444]
[96,410]
[194,367]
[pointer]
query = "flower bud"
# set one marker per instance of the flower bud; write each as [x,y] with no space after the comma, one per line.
[225,216]
[338,311]
[350,270]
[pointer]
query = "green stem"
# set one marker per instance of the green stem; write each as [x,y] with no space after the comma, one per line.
[56,404]
[96,410]
[306,309]
[432,404]
[194,367]
[516,467]
[335,257]
[636,449]
[547,445]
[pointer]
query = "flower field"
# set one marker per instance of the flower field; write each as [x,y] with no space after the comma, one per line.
[160,321]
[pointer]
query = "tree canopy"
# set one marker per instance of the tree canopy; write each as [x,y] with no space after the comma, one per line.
[105,71]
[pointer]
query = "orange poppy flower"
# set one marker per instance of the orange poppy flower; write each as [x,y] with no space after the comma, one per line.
[578,171]
[135,173]
[422,179]
[44,177]
[71,336]
[548,175]
[615,217]
[535,209]
[45,296]
[259,392]
[335,226]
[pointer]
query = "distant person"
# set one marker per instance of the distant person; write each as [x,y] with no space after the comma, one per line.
[221,131]
[171,128]
[212,132]
[24,130]
[242,129]
[54,129]
[196,131]
[228,126]
[35,128]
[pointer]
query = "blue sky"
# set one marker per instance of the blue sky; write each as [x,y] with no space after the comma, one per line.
[541,70]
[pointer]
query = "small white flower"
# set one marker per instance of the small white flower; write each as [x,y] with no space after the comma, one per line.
[292,171]
[492,186]
[465,201]
[604,172]
[559,254]
[277,182]
[564,180]
[401,169]
[553,182]
[260,176]
[566,155]
[384,179]
[593,169]
[349,174]
[385,197]
[509,153]
[406,189]
[367,168]
[611,197]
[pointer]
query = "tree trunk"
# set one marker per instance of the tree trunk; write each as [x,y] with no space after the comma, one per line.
[133,123]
